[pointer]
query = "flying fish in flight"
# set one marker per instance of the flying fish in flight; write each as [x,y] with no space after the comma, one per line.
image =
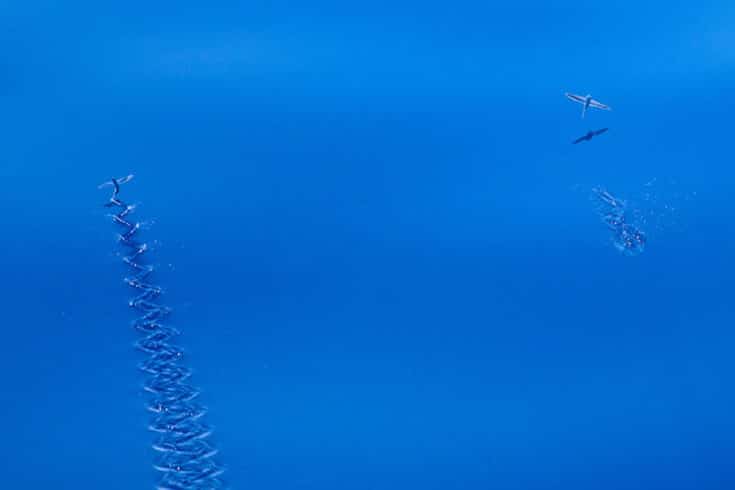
[587,101]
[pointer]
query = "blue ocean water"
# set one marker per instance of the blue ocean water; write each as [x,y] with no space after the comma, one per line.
[377,240]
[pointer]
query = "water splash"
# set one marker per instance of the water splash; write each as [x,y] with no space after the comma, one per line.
[185,458]
[627,236]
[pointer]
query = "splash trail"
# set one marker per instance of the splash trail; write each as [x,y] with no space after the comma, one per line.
[184,455]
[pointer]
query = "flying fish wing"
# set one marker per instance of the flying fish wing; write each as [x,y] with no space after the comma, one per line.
[574,97]
[599,105]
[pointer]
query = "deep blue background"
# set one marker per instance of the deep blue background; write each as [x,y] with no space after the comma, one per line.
[377,238]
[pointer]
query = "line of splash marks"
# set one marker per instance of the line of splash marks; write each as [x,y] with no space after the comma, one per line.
[185,458]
